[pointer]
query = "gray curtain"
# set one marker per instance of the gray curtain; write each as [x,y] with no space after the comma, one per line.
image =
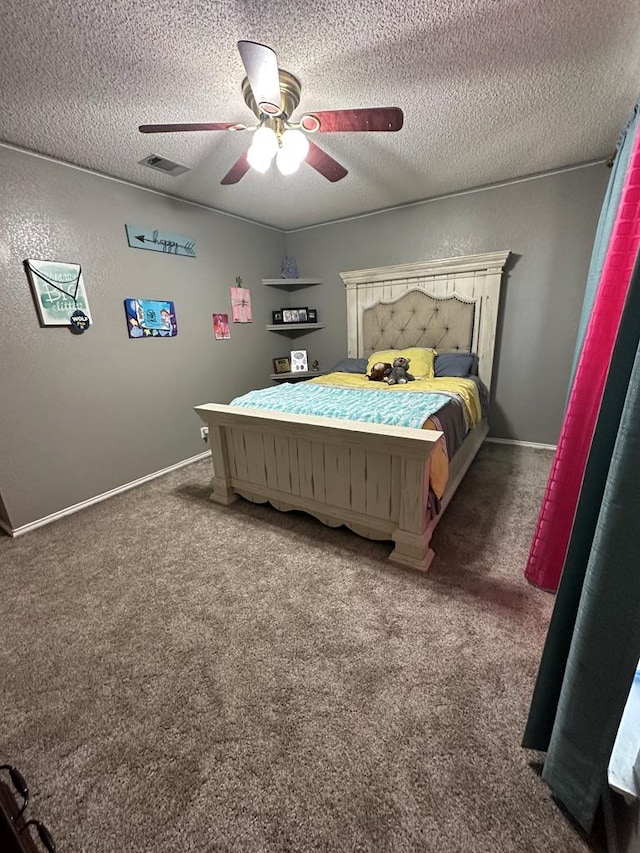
[593,644]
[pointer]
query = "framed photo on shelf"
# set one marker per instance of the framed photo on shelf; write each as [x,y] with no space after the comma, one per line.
[293,315]
[312,315]
[281,365]
[276,317]
[299,361]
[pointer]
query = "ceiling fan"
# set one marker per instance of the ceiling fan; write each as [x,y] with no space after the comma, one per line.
[273,94]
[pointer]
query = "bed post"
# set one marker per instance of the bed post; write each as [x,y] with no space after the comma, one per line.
[413,534]
[223,492]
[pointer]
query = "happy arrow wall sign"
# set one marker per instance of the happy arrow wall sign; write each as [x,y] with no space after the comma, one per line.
[160,241]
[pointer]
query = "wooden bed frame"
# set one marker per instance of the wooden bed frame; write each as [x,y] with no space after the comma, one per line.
[373,479]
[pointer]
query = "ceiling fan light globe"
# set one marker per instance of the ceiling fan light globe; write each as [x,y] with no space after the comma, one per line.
[287,162]
[265,141]
[258,159]
[296,142]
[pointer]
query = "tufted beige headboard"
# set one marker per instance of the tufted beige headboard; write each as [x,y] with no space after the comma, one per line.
[448,304]
[419,320]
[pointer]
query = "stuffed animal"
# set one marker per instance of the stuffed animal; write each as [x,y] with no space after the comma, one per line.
[380,371]
[400,372]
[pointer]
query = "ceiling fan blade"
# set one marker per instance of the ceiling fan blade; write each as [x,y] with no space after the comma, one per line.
[325,164]
[178,128]
[237,171]
[375,118]
[261,65]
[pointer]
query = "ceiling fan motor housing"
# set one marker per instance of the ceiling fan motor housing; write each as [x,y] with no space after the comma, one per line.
[289,95]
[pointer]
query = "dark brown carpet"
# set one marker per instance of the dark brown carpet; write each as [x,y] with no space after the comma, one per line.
[178,676]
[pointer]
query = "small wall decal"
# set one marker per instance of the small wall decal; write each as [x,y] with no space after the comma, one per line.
[150,318]
[79,322]
[58,291]
[160,241]
[221,329]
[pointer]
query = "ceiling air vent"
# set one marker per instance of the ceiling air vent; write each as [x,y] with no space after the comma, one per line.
[160,164]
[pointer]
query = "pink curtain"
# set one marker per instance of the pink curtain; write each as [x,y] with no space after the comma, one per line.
[553,530]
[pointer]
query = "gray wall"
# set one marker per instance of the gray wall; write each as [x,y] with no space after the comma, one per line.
[548,223]
[4,516]
[80,415]
[83,414]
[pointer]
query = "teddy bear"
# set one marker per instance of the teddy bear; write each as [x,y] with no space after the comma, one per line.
[400,372]
[380,371]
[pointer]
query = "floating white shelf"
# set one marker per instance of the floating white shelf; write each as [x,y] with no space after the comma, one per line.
[298,374]
[291,282]
[293,327]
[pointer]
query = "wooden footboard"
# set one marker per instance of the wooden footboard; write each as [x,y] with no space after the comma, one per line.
[369,477]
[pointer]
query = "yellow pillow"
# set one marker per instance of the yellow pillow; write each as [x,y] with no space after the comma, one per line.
[421,360]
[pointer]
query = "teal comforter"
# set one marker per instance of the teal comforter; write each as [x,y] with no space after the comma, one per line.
[376,407]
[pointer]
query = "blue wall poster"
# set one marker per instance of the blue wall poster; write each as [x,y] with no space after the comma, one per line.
[160,241]
[150,318]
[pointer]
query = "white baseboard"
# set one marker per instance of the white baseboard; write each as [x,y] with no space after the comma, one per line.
[40,522]
[48,519]
[522,443]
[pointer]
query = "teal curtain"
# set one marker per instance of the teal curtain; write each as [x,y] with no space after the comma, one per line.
[593,644]
[605,227]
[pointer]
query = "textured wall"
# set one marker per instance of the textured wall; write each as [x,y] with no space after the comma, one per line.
[80,415]
[548,223]
[4,517]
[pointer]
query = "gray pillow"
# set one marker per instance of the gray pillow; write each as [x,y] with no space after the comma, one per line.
[454,364]
[350,365]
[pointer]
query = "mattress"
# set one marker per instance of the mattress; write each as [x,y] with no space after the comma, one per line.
[449,405]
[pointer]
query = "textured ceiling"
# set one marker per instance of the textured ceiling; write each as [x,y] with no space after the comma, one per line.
[490,89]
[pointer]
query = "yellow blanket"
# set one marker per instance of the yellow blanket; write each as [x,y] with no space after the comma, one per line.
[466,389]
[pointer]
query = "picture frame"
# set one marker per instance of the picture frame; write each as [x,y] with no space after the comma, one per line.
[299,361]
[241,304]
[276,317]
[221,330]
[312,315]
[58,291]
[294,315]
[282,364]
[150,318]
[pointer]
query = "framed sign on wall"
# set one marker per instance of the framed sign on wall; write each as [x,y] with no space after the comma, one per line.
[160,241]
[58,291]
